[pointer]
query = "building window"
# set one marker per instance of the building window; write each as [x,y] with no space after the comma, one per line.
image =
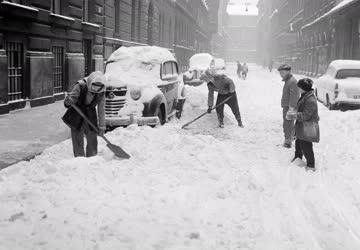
[117,16]
[87,50]
[85,10]
[56,6]
[139,21]
[59,58]
[150,23]
[133,20]
[15,58]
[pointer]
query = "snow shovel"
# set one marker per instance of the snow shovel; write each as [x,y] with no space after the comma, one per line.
[119,152]
[205,113]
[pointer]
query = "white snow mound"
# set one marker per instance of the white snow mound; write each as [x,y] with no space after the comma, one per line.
[139,66]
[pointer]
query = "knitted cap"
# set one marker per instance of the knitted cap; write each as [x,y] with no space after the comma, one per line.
[305,84]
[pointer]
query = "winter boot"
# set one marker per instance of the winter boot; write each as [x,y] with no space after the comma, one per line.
[310,168]
[221,124]
[287,144]
[241,125]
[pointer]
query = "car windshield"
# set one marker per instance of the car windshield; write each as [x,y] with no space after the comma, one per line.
[346,73]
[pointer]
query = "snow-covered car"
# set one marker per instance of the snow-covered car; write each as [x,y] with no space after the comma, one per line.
[143,87]
[198,63]
[339,87]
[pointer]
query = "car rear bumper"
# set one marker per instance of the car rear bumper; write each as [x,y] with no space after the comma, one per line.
[126,121]
[347,103]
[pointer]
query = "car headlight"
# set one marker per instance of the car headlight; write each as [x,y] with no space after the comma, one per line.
[135,94]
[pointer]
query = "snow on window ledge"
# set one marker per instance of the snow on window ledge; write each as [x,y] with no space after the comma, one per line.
[91,24]
[19,6]
[62,17]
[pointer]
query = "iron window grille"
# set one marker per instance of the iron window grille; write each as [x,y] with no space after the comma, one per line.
[87,50]
[15,58]
[58,71]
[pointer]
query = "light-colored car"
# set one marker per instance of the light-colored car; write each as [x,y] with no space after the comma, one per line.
[198,63]
[339,87]
[143,87]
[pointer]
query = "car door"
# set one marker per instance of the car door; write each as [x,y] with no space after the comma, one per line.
[169,85]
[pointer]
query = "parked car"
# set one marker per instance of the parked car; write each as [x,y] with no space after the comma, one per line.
[339,87]
[143,86]
[198,63]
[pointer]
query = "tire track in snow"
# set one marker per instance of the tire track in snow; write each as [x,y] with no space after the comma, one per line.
[323,183]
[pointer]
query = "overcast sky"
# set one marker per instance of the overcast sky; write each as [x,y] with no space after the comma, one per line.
[238,7]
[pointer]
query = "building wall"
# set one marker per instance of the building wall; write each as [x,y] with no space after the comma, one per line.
[241,40]
[308,37]
[60,41]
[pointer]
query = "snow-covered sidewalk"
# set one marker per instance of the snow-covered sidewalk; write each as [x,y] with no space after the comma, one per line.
[200,188]
[27,132]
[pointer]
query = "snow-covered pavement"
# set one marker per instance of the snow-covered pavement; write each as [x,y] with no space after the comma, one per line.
[200,188]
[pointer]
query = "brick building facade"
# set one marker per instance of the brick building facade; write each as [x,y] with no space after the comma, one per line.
[309,34]
[47,45]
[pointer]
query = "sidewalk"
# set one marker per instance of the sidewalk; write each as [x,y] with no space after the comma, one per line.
[27,132]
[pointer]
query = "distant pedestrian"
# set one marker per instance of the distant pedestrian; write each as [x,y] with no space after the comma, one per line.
[244,71]
[271,64]
[290,96]
[239,69]
[88,93]
[307,123]
[225,87]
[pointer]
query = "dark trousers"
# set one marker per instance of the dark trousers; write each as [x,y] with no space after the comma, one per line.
[305,148]
[288,127]
[77,137]
[232,103]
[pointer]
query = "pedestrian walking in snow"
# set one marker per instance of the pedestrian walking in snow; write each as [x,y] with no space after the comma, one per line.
[307,123]
[87,94]
[226,88]
[239,69]
[244,71]
[290,96]
[271,65]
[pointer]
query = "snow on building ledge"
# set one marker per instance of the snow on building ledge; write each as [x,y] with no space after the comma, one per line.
[338,7]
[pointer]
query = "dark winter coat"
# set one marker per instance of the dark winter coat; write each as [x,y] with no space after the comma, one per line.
[291,93]
[221,84]
[307,118]
[79,97]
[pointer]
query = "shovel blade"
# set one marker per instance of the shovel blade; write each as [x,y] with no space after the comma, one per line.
[118,151]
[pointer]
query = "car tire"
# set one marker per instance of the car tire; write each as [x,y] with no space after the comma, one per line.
[160,113]
[328,104]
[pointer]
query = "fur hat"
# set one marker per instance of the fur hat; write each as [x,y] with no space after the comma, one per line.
[97,78]
[305,84]
[284,67]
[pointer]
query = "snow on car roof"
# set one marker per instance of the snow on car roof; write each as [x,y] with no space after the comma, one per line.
[349,64]
[139,66]
[201,60]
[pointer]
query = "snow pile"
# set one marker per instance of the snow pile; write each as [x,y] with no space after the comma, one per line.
[219,63]
[201,188]
[200,61]
[136,66]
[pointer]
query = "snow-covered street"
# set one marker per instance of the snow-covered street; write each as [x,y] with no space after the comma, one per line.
[199,188]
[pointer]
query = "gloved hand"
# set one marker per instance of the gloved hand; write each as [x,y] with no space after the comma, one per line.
[209,110]
[101,131]
[68,102]
[291,115]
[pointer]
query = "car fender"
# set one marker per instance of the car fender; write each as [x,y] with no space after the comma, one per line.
[151,106]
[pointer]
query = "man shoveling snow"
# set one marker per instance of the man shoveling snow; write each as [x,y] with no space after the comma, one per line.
[226,88]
